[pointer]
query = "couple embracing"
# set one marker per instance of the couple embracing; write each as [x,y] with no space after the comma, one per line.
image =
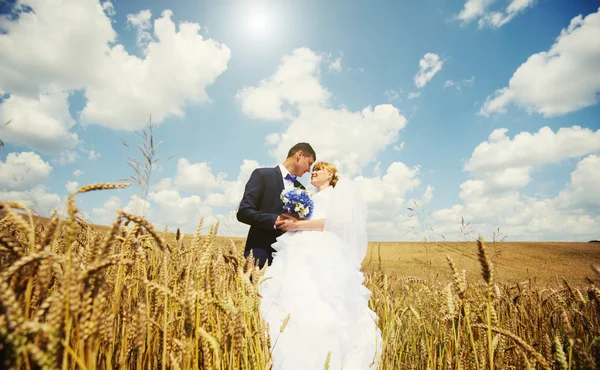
[313,282]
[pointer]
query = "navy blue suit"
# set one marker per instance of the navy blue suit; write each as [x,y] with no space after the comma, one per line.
[259,208]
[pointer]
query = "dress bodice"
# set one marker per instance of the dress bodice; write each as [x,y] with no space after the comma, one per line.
[321,201]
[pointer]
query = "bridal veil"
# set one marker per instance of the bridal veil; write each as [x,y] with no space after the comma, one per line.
[347,218]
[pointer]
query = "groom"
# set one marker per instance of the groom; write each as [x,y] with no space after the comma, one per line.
[261,206]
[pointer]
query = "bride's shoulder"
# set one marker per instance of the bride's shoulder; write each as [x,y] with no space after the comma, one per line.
[324,193]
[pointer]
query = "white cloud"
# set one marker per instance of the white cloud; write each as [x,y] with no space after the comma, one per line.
[509,178]
[498,19]
[500,152]
[107,214]
[392,94]
[175,210]
[59,42]
[176,70]
[473,9]
[502,166]
[196,177]
[163,184]
[141,22]
[22,179]
[386,200]
[93,155]
[582,191]
[232,191]
[336,65]
[480,9]
[214,199]
[385,195]
[66,157]
[273,138]
[167,205]
[108,8]
[296,81]
[70,45]
[428,195]
[519,216]
[78,173]
[23,171]
[37,199]
[41,123]
[559,81]
[349,139]
[429,65]
[377,169]
[450,83]
[458,85]
[413,95]
[138,206]
[72,186]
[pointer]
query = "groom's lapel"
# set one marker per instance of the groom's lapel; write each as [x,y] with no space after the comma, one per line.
[279,178]
[298,184]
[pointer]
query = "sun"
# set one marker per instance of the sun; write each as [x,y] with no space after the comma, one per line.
[258,22]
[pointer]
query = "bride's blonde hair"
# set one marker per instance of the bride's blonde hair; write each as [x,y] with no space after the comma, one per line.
[329,168]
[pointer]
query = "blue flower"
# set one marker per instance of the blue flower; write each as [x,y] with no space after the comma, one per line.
[297,201]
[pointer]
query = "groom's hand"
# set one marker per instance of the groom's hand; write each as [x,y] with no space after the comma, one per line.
[284,221]
[279,221]
[290,224]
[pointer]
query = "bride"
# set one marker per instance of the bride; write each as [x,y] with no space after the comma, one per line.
[314,289]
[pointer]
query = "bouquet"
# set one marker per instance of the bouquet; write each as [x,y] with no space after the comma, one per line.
[297,201]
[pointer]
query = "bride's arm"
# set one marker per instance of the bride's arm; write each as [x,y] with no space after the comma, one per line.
[298,225]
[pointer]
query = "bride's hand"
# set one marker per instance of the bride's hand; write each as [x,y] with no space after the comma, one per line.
[290,224]
[283,217]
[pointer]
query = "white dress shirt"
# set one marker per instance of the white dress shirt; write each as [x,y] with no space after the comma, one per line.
[287,184]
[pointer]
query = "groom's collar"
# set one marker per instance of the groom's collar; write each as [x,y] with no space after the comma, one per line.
[284,170]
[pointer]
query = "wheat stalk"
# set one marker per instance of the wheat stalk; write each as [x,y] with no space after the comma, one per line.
[118,297]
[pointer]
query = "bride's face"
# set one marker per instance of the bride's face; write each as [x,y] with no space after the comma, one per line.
[320,177]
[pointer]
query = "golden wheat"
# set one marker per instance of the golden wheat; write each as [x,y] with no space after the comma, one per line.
[72,297]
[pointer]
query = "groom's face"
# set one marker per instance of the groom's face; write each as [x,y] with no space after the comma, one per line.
[303,164]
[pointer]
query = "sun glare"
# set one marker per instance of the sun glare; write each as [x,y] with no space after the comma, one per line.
[258,22]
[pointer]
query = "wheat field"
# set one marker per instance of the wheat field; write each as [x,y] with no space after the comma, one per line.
[515,262]
[128,296]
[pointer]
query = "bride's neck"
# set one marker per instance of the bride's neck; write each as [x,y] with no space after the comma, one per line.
[322,187]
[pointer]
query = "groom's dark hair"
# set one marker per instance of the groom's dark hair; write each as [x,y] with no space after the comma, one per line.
[306,149]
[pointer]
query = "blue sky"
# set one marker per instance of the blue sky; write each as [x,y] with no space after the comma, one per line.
[479,109]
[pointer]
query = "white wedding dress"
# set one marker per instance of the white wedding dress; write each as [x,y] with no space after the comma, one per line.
[315,278]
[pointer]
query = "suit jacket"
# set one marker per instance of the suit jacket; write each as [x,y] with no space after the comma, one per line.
[259,208]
